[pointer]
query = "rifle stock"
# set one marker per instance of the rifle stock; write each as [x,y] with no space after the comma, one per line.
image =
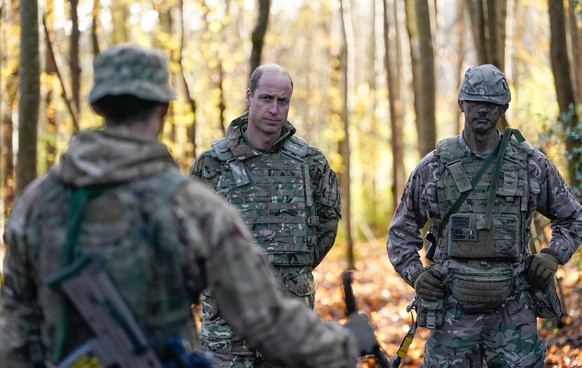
[119,341]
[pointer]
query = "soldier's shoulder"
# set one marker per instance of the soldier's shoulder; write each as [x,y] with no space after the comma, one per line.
[208,159]
[208,154]
[311,153]
[27,202]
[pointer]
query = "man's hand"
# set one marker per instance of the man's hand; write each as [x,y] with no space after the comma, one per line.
[360,327]
[427,286]
[541,270]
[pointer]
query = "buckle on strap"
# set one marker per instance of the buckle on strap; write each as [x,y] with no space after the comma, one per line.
[313,221]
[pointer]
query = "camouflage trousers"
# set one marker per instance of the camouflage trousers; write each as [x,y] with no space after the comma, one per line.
[228,349]
[504,338]
[240,361]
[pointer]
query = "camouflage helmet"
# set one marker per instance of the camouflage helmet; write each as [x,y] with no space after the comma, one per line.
[133,70]
[485,83]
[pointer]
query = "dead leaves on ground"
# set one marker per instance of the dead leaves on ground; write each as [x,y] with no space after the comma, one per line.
[382,294]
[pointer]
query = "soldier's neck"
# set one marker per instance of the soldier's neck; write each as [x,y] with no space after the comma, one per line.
[482,143]
[259,139]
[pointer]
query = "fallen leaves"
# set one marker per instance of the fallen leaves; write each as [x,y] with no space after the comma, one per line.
[384,296]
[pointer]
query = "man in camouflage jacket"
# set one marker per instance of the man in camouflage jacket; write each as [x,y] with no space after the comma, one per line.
[485,289]
[160,236]
[286,192]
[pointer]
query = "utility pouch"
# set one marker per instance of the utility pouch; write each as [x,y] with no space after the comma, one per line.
[430,314]
[480,286]
[469,237]
[545,303]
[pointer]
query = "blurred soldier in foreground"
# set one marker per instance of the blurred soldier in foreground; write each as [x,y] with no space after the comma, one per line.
[116,207]
[285,190]
[482,294]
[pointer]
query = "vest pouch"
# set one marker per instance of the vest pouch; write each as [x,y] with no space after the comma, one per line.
[545,303]
[468,237]
[480,286]
[430,313]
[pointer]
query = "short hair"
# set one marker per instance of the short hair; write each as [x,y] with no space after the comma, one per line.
[258,73]
[124,108]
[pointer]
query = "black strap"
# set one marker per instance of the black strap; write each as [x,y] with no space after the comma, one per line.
[501,148]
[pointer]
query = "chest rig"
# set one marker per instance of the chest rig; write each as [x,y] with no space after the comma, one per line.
[486,231]
[274,196]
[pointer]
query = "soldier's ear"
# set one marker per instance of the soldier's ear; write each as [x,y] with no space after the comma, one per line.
[461,107]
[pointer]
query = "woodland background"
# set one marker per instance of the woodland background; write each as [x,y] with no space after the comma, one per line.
[376,86]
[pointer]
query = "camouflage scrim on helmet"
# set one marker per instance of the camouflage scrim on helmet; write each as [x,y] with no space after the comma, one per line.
[133,70]
[485,83]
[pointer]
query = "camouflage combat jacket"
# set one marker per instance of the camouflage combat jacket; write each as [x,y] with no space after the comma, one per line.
[156,232]
[290,201]
[540,188]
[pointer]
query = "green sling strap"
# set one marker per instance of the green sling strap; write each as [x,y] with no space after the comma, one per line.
[77,202]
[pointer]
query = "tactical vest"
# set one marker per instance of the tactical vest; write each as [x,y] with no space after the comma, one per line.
[485,237]
[124,227]
[274,196]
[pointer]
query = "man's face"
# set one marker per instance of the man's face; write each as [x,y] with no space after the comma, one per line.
[269,104]
[481,117]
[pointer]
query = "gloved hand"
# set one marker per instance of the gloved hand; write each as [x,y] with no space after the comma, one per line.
[359,325]
[541,270]
[427,286]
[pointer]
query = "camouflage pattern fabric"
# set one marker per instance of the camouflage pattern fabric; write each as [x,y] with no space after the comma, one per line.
[485,83]
[506,337]
[133,70]
[277,210]
[195,229]
[546,193]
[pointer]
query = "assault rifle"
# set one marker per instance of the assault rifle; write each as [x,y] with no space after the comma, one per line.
[120,341]
[351,307]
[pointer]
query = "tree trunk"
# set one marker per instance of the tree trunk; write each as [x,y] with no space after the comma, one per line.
[191,128]
[477,17]
[344,144]
[170,129]
[496,31]
[576,47]
[120,15]
[50,70]
[29,94]
[564,90]
[394,104]
[7,164]
[422,57]
[488,18]
[427,105]
[65,95]
[258,36]
[94,27]
[74,57]
[412,29]
[460,29]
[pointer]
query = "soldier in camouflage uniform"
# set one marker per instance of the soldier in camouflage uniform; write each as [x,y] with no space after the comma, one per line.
[160,236]
[482,294]
[286,192]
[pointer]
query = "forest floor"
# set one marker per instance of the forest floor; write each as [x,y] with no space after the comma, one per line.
[382,294]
